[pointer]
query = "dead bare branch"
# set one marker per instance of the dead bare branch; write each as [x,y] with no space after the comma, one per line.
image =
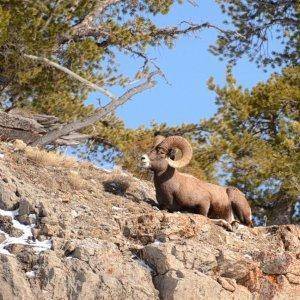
[88,23]
[97,116]
[19,122]
[147,61]
[72,74]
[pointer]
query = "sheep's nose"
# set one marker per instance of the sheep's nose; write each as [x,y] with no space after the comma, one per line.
[145,161]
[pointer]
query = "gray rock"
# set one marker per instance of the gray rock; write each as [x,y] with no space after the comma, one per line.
[14,284]
[278,264]
[8,198]
[7,226]
[24,207]
[2,238]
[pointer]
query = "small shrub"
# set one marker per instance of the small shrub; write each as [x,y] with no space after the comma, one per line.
[116,185]
[75,180]
[19,145]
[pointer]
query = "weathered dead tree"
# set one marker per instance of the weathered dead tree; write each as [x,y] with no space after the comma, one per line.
[99,114]
[18,127]
[18,124]
[42,130]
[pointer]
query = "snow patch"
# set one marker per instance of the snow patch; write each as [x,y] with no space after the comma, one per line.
[25,239]
[117,208]
[32,216]
[30,274]
[157,242]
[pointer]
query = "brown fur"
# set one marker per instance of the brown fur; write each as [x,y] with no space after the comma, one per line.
[176,191]
[240,206]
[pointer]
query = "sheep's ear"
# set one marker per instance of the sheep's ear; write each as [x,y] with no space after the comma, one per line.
[172,153]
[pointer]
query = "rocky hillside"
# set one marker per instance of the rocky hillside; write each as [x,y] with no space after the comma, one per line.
[72,231]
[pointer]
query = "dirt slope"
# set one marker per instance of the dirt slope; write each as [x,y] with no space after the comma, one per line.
[72,231]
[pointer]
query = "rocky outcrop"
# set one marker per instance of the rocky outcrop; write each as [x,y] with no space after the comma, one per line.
[109,241]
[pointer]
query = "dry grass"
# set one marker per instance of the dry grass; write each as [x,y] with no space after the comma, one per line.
[19,145]
[45,158]
[75,180]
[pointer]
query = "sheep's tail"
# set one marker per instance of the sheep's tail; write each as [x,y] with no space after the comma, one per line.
[240,206]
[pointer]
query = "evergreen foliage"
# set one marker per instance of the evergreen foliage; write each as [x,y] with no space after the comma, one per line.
[252,24]
[82,36]
[255,134]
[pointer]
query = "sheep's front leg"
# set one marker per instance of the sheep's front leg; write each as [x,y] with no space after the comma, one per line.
[165,201]
[223,223]
[203,209]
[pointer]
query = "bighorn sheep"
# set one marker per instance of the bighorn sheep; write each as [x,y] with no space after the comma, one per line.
[176,191]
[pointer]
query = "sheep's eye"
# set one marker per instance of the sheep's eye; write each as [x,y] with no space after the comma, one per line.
[161,151]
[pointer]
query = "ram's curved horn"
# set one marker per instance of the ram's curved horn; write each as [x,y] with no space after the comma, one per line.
[183,145]
[157,140]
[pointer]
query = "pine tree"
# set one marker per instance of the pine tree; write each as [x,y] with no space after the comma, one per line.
[253,24]
[257,134]
[82,36]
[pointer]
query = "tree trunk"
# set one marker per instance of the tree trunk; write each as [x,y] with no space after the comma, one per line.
[14,127]
[17,124]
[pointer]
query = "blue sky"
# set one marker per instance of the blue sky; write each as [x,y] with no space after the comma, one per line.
[187,67]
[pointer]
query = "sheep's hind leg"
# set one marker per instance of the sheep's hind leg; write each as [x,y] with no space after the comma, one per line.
[223,223]
[203,210]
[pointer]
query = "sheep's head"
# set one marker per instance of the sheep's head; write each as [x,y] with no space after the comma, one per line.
[162,153]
